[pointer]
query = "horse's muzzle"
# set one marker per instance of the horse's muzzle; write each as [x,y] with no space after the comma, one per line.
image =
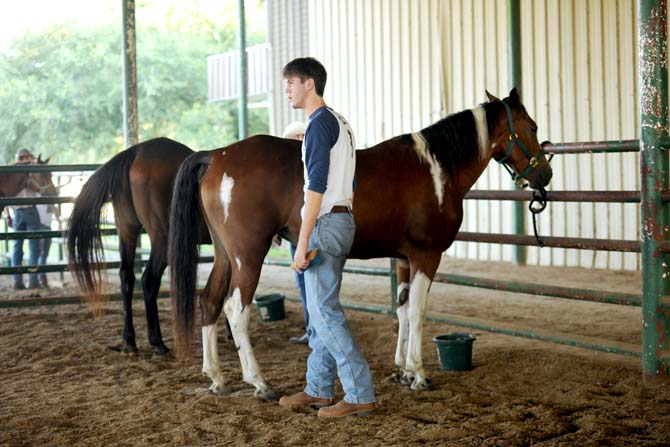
[542,177]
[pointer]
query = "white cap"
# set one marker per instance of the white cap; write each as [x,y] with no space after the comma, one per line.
[23,153]
[294,129]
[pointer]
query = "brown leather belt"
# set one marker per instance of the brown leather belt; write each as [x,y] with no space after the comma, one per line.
[340,209]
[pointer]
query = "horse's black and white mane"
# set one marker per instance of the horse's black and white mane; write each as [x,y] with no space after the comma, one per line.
[453,141]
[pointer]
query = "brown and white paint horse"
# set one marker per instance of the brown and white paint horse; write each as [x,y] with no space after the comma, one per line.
[408,204]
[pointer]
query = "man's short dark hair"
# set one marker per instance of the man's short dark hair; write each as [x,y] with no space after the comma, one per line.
[307,68]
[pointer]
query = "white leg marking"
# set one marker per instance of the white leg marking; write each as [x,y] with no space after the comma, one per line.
[210,357]
[226,193]
[403,330]
[434,165]
[239,324]
[239,263]
[482,130]
[418,300]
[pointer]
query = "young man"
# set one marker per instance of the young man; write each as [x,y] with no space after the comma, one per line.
[328,154]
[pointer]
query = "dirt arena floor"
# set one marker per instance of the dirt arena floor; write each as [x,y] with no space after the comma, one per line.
[64,384]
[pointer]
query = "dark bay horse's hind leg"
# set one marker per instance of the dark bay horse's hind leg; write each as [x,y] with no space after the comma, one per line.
[151,282]
[127,245]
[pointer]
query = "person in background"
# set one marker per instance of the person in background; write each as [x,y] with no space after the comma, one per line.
[47,213]
[296,131]
[25,218]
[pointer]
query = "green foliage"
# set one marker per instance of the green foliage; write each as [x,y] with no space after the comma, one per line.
[61,89]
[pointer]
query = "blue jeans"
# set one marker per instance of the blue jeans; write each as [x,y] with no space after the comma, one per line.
[45,245]
[334,348]
[26,219]
[300,282]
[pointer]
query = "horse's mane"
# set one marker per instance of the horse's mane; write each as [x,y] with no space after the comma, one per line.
[453,140]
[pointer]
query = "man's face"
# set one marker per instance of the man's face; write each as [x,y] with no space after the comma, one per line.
[296,92]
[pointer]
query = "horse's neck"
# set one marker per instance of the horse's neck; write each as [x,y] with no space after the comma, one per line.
[468,177]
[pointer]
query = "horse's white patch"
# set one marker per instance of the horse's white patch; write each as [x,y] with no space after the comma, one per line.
[238,317]
[482,130]
[403,330]
[210,356]
[418,300]
[239,263]
[421,148]
[226,193]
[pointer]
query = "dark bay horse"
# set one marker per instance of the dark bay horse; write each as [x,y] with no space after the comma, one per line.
[408,204]
[138,182]
[40,182]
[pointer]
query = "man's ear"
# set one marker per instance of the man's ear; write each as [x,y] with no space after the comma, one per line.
[309,84]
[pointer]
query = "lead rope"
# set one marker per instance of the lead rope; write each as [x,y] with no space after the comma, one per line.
[537,204]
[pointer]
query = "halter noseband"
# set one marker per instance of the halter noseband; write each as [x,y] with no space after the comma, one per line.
[533,161]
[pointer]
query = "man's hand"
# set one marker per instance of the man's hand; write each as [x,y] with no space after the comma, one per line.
[300,261]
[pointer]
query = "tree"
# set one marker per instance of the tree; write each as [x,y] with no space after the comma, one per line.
[61,89]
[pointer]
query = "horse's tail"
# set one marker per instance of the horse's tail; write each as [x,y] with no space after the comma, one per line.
[185,224]
[84,243]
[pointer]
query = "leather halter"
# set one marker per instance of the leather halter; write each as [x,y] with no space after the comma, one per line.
[514,139]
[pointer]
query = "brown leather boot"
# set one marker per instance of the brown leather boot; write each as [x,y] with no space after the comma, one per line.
[303,399]
[344,408]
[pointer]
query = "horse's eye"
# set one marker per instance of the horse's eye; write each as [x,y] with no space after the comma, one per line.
[534,129]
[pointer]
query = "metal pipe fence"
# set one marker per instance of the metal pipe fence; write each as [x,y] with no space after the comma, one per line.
[473,281]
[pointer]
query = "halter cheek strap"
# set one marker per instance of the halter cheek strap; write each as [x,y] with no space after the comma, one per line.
[533,161]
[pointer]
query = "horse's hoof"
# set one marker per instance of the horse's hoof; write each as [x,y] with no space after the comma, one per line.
[267,395]
[396,377]
[422,385]
[130,349]
[407,380]
[223,391]
[161,349]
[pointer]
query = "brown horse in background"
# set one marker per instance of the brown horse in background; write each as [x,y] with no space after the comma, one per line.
[408,204]
[138,182]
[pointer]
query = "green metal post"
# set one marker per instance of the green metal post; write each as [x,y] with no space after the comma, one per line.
[514,51]
[130,120]
[243,83]
[653,86]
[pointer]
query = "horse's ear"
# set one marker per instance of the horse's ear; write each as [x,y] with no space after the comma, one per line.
[47,160]
[491,97]
[514,98]
[39,158]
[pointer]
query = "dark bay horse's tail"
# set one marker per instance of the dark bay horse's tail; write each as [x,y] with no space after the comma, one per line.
[185,221]
[84,244]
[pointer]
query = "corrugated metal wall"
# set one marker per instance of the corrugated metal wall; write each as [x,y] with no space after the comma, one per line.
[223,72]
[288,36]
[385,60]
[579,83]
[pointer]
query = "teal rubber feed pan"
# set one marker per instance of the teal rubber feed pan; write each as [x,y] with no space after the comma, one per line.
[455,351]
[270,307]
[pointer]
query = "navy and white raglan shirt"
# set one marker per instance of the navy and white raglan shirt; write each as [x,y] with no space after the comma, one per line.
[329,157]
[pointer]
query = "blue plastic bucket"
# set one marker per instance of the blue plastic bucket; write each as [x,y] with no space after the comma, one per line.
[455,351]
